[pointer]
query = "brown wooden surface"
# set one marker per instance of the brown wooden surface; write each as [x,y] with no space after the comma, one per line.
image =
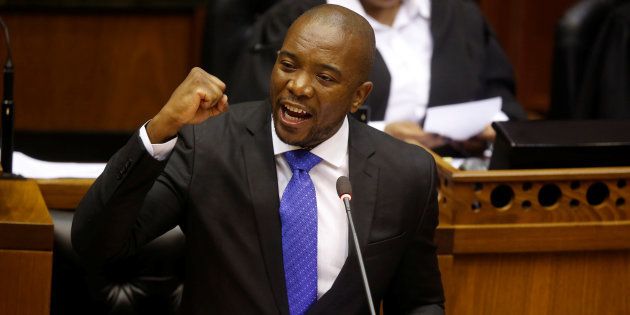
[541,237]
[537,284]
[98,71]
[63,193]
[466,205]
[446,269]
[570,256]
[451,173]
[25,279]
[24,219]
[525,29]
[26,238]
[534,196]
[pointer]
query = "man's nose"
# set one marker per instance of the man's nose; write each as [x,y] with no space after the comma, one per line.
[300,85]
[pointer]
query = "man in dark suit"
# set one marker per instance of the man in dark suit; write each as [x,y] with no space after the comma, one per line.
[467,63]
[230,178]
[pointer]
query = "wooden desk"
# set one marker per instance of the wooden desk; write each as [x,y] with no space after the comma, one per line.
[26,239]
[63,193]
[535,241]
[516,242]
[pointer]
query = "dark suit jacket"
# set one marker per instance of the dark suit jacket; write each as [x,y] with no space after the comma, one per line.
[605,87]
[467,64]
[220,185]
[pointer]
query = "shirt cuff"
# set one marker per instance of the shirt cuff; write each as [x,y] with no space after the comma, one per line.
[159,151]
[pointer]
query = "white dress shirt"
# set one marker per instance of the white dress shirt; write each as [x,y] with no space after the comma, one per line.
[407,48]
[332,227]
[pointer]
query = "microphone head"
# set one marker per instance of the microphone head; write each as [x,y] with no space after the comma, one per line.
[343,186]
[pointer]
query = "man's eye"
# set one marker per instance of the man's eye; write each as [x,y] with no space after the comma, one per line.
[287,65]
[325,77]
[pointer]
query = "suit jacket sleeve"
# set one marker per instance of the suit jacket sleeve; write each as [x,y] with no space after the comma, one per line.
[417,286]
[498,77]
[135,200]
[468,62]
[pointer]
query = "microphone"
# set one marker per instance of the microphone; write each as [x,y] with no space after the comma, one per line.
[344,190]
[6,156]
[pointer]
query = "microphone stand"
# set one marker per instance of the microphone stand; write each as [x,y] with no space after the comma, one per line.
[6,155]
[366,285]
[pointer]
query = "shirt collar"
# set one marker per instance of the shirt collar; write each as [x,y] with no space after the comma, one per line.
[333,150]
[410,8]
[424,8]
[354,5]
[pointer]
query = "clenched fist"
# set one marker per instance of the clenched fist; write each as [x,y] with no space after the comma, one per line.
[199,97]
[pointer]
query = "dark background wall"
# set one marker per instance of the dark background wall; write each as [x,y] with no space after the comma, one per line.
[525,29]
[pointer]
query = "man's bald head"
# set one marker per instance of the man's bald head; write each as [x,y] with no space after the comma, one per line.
[320,74]
[354,27]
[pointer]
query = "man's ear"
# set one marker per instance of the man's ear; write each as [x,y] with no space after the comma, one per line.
[360,95]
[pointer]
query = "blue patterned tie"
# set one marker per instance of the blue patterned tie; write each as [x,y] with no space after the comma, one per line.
[298,213]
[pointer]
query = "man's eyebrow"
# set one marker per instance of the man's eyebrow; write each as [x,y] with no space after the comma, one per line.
[286,53]
[331,68]
[324,65]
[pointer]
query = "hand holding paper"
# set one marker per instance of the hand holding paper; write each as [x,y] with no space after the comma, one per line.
[464,120]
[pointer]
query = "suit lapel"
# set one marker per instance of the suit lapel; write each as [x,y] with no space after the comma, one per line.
[364,179]
[263,184]
[262,178]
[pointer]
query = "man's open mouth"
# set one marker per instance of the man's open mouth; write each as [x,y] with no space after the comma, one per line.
[293,114]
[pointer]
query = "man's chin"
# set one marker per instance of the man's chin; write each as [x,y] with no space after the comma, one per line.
[291,139]
[287,134]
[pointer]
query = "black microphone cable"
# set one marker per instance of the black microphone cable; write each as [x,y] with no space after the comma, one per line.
[6,155]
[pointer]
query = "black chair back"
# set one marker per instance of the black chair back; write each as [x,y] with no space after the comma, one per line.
[576,33]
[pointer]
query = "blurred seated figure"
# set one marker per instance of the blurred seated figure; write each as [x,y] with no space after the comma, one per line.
[228,24]
[575,50]
[430,53]
[605,90]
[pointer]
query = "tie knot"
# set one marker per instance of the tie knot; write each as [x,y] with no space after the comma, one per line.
[301,160]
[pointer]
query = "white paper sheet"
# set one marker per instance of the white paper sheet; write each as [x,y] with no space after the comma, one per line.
[464,120]
[32,168]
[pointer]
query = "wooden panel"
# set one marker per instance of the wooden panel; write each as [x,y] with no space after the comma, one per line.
[538,284]
[538,201]
[24,219]
[542,237]
[525,29]
[98,71]
[25,224]
[533,196]
[446,269]
[63,193]
[25,278]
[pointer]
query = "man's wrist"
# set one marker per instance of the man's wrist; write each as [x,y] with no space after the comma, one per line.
[159,151]
[161,129]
